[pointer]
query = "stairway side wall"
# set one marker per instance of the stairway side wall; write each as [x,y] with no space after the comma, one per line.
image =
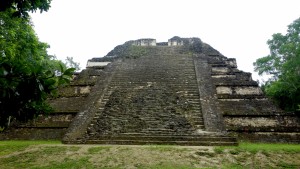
[77,129]
[212,115]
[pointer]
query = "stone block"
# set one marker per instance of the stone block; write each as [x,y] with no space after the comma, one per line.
[224,90]
[64,104]
[244,90]
[33,134]
[263,123]
[248,91]
[220,70]
[224,77]
[248,107]
[73,91]
[231,62]
[144,42]
[273,137]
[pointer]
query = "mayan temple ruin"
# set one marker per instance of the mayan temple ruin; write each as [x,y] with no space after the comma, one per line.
[181,92]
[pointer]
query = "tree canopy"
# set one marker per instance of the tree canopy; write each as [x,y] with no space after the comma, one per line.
[22,7]
[283,64]
[70,63]
[27,73]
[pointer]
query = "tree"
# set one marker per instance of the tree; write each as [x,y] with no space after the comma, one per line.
[70,63]
[283,64]
[22,7]
[27,72]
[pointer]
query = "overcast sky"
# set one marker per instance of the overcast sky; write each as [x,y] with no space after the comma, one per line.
[239,29]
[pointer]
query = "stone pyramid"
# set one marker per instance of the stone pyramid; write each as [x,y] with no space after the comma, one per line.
[180,92]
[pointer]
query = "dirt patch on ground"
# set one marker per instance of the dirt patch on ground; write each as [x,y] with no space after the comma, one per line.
[148,156]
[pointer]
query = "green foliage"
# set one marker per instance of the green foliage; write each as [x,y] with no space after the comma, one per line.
[283,64]
[27,73]
[22,7]
[70,63]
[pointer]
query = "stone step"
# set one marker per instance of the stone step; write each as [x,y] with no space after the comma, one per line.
[153,72]
[196,119]
[138,139]
[147,75]
[145,80]
[185,90]
[235,96]
[234,83]
[133,84]
[161,79]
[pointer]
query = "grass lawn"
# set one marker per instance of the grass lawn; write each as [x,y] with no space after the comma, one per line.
[53,154]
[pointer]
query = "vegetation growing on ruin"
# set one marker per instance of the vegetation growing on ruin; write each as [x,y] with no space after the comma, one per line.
[194,45]
[127,50]
[283,65]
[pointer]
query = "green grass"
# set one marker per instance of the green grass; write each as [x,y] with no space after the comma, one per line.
[247,151]
[161,148]
[96,150]
[287,165]
[262,147]
[7,147]
[254,147]
[165,148]
[52,155]
[166,166]
[69,163]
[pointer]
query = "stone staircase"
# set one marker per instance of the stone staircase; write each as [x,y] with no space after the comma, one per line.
[153,99]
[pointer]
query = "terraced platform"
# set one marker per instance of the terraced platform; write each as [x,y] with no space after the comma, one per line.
[153,99]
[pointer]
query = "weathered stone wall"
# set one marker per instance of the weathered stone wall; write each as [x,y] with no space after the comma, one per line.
[247,113]
[66,105]
[263,123]
[144,42]
[176,42]
[95,64]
